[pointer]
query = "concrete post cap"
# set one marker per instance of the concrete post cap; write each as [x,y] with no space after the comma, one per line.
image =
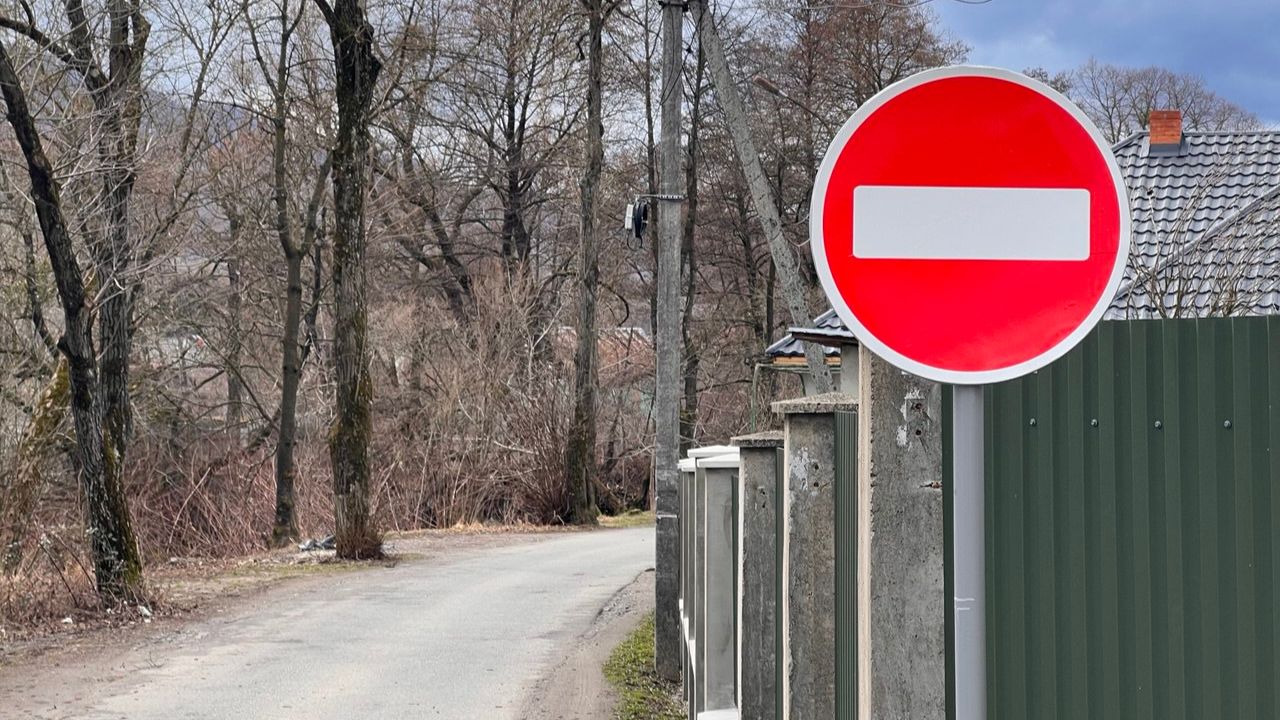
[720,462]
[726,714]
[770,439]
[711,451]
[831,402]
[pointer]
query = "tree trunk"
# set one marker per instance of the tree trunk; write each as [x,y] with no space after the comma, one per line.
[235,391]
[744,145]
[35,307]
[294,354]
[516,244]
[115,315]
[285,529]
[580,460]
[651,161]
[357,71]
[515,234]
[119,103]
[116,561]
[688,260]
[458,288]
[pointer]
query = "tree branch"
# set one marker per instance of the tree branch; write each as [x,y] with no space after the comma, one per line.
[93,76]
[33,297]
[326,10]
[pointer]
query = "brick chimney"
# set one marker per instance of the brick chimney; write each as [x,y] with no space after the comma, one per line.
[1166,131]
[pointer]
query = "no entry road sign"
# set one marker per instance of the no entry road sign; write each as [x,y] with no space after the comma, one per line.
[969,224]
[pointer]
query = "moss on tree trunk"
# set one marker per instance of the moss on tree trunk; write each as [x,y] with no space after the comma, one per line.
[22,487]
[357,70]
[116,561]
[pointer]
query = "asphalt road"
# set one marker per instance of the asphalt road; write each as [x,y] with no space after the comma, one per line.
[464,637]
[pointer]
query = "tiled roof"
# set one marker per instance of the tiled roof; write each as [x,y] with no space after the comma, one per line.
[825,325]
[1206,240]
[1206,231]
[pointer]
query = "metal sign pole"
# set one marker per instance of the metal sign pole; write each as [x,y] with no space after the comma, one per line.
[968,527]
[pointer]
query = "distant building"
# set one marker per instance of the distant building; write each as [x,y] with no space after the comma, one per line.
[1206,222]
[787,354]
[625,355]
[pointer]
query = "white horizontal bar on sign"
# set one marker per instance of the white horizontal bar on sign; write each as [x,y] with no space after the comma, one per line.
[970,223]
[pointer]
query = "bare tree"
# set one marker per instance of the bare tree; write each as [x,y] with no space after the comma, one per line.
[511,103]
[688,252]
[1119,99]
[1204,261]
[277,70]
[92,111]
[425,186]
[761,195]
[20,486]
[580,456]
[116,560]
[357,70]
[1060,81]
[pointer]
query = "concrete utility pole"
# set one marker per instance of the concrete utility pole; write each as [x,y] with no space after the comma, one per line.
[761,194]
[669,350]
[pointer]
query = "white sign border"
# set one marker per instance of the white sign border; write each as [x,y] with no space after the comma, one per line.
[817,242]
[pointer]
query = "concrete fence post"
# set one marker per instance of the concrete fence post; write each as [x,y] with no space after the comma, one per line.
[666,592]
[901,598]
[685,490]
[757,575]
[849,366]
[695,686]
[720,479]
[809,558]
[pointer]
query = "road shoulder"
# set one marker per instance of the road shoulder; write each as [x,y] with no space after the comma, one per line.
[575,688]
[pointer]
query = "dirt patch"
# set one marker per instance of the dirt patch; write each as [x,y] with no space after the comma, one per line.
[576,688]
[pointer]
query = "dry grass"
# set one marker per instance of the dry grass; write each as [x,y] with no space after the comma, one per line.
[629,519]
[38,606]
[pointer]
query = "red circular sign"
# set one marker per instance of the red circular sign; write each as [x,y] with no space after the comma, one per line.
[969,224]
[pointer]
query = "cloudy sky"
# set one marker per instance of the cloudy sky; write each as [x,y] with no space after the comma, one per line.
[1233,44]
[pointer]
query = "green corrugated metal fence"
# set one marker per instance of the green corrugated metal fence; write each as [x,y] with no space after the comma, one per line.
[780,587]
[1133,533]
[846,497]
[736,553]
